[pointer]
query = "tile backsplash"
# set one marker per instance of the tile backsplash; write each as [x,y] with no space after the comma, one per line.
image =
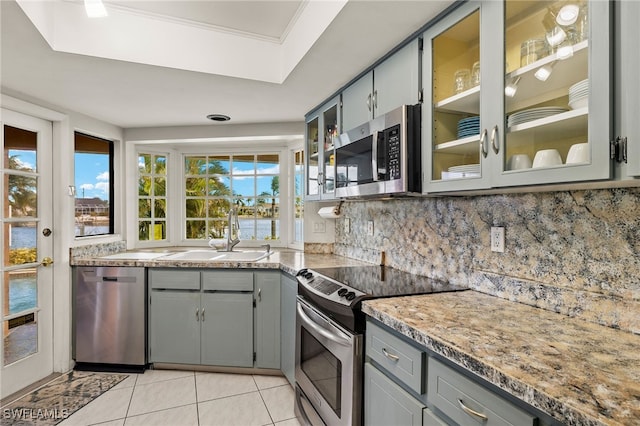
[572,252]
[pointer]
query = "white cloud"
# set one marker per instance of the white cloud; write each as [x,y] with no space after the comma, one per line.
[87,186]
[104,176]
[102,186]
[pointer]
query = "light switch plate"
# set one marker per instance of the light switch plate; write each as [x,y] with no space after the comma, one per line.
[319,227]
[497,239]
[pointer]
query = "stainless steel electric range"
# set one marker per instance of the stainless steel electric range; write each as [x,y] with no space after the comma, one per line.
[330,329]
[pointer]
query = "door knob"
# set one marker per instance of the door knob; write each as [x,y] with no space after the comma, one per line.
[46,261]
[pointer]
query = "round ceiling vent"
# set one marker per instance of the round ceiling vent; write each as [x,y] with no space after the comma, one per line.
[218,117]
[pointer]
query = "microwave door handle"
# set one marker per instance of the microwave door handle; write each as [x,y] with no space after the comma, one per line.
[374,156]
[318,329]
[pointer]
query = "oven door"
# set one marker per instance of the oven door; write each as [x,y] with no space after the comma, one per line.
[328,368]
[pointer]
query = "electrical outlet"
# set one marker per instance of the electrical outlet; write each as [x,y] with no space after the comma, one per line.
[497,239]
[347,225]
[370,228]
[319,227]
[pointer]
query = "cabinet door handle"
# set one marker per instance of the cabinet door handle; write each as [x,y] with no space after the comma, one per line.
[259,295]
[392,357]
[375,99]
[483,141]
[197,314]
[202,314]
[494,139]
[369,102]
[472,413]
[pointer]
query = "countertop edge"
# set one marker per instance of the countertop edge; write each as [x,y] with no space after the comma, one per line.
[518,389]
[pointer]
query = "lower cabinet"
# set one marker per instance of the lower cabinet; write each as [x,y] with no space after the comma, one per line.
[214,317]
[289,291]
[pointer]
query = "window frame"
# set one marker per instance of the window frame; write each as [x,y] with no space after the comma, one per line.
[152,197]
[113,204]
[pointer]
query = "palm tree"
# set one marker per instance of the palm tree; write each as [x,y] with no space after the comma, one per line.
[275,190]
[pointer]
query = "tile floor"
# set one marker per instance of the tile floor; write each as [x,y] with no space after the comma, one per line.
[177,398]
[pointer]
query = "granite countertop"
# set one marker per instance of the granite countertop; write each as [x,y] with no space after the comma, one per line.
[578,372]
[289,261]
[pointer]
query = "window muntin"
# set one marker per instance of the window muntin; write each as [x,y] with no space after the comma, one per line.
[93,160]
[214,184]
[152,197]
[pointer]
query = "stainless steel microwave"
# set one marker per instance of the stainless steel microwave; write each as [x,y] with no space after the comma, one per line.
[381,157]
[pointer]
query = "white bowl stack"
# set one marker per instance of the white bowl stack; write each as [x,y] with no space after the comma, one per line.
[579,94]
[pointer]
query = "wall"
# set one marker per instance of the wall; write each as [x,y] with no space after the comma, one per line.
[576,253]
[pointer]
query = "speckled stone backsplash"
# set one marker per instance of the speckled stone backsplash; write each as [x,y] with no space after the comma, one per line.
[95,250]
[576,253]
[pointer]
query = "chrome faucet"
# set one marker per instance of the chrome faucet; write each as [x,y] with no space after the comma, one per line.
[233,230]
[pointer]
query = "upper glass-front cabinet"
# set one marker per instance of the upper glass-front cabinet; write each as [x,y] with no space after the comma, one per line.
[323,127]
[512,97]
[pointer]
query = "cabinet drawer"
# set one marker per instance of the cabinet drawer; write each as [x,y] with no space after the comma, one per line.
[385,403]
[174,279]
[400,358]
[458,397]
[227,280]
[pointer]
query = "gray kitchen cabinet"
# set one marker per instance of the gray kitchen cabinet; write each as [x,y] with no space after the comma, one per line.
[486,132]
[392,83]
[267,319]
[322,128]
[226,320]
[385,403]
[288,293]
[467,402]
[201,317]
[174,329]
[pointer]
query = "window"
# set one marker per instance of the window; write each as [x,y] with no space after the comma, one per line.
[93,184]
[152,197]
[298,196]
[249,183]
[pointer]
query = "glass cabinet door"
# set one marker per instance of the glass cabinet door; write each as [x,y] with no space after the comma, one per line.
[556,118]
[312,150]
[453,135]
[330,129]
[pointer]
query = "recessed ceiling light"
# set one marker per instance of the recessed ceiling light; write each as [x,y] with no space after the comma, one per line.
[218,117]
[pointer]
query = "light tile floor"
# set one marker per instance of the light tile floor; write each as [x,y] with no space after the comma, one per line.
[176,398]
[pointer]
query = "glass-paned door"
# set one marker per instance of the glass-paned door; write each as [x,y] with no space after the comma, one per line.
[27,278]
[313,144]
[556,92]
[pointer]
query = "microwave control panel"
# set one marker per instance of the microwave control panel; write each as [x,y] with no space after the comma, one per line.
[393,152]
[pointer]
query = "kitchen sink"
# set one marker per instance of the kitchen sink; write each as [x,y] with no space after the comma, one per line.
[215,256]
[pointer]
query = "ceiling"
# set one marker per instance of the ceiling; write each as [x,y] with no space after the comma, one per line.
[280,58]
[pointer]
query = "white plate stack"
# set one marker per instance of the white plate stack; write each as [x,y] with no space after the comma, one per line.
[579,95]
[464,171]
[533,114]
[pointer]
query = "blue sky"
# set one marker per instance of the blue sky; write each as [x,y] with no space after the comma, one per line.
[92,176]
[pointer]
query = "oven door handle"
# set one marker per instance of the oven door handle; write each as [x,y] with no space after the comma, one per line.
[319,329]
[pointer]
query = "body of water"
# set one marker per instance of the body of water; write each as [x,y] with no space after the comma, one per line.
[23,237]
[23,294]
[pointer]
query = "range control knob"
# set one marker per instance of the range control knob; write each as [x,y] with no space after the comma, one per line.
[342,292]
[302,271]
[307,275]
[350,295]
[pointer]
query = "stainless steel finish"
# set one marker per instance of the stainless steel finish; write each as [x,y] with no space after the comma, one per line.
[378,124]
[304,410]
[202,314]
[375,99]
[259,295]
[347,348]
[46,261]
[390,356]
[374,156]
[472,413]
[233,225]
[494,139]
[110,315]
[483,140]
[369,102]
[197,314]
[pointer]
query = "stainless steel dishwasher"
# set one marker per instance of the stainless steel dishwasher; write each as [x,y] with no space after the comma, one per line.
[109,315]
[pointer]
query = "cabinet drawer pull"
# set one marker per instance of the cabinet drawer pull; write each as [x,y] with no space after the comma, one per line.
[392,357]
[472,413]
